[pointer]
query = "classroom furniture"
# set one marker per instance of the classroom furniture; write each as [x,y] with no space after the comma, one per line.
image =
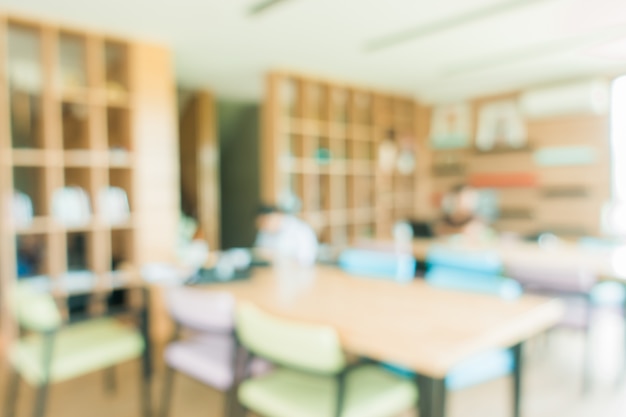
[200,164]
[315,377]
[207,355]
[574,286]
[90,110]
[54,351]
[421,328]
[320,155]
[482,273]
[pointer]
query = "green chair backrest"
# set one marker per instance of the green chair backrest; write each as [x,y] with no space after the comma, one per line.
[35,310]
[306,347]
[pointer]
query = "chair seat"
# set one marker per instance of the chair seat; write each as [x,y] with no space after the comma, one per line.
[207,358]
[370,392]
[481,368]
[78,349]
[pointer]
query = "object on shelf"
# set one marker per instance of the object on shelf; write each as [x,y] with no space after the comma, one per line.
[22,210]
[388,153]
[323,156]
[76,251]
[503,180]
[70,207]
[571,191]
[406,162]
[25,120]
[565,156]
[500,124]
[25,76]
[451,126]
[30,254]
[72,61]
[113,206]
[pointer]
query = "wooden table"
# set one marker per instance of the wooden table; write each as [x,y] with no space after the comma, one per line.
[425,329]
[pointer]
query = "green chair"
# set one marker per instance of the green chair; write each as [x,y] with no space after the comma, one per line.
[314,378]
[51,351]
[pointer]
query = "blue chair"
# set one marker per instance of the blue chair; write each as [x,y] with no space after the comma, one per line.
[474,271]
[390,265]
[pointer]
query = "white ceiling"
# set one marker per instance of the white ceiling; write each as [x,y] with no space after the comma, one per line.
[219,46]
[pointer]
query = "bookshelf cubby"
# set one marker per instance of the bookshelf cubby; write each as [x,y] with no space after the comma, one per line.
[76,110]
[321,146]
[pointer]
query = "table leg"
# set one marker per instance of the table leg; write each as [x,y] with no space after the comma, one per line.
[432,397]
[517,379]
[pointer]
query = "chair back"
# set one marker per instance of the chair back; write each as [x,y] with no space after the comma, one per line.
[311,348]
[201,310]
[555,278]
[35,310]
[378,264]
[474,271]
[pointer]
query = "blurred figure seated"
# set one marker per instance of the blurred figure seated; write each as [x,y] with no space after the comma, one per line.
[283,235]
[460,213]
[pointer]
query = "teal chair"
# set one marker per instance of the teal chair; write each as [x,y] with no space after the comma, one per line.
[51,351]
[314,378]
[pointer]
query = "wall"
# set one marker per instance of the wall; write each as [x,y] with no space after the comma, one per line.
[239,137]
[566,200]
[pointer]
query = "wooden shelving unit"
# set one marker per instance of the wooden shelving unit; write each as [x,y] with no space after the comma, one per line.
[76,109]
[566,200]
[321,144]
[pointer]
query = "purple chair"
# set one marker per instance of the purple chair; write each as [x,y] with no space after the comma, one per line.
[207,352]
[572,285]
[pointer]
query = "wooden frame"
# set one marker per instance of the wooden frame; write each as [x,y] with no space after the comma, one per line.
[95,134]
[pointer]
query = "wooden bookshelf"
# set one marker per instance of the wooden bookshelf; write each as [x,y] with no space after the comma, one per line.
[89,110]
[321,142]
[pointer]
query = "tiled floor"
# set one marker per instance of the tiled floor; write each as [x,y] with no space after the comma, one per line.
[551,387]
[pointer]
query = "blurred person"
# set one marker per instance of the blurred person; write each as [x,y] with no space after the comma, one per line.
[460,213]
[284,235]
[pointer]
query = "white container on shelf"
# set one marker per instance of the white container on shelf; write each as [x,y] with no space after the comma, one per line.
[22,209]
[70,207]
[113,206]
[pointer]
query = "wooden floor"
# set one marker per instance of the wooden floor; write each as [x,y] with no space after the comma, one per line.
[551,386]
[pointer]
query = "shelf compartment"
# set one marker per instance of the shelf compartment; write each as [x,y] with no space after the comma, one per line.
[122,249]
[123,178]
[72,64]
[25,75]
[119,129]
[32,182]
[117,73]
[32,255]
[79,251]
[75,126]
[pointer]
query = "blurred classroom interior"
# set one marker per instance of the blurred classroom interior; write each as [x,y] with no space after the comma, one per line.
[299,208]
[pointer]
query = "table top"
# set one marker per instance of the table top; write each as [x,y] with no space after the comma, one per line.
[607,263]
[426,329]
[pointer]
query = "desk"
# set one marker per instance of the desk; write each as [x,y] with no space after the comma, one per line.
[605,263]
[425,329]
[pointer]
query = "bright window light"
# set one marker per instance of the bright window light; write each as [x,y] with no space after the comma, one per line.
[618,139]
